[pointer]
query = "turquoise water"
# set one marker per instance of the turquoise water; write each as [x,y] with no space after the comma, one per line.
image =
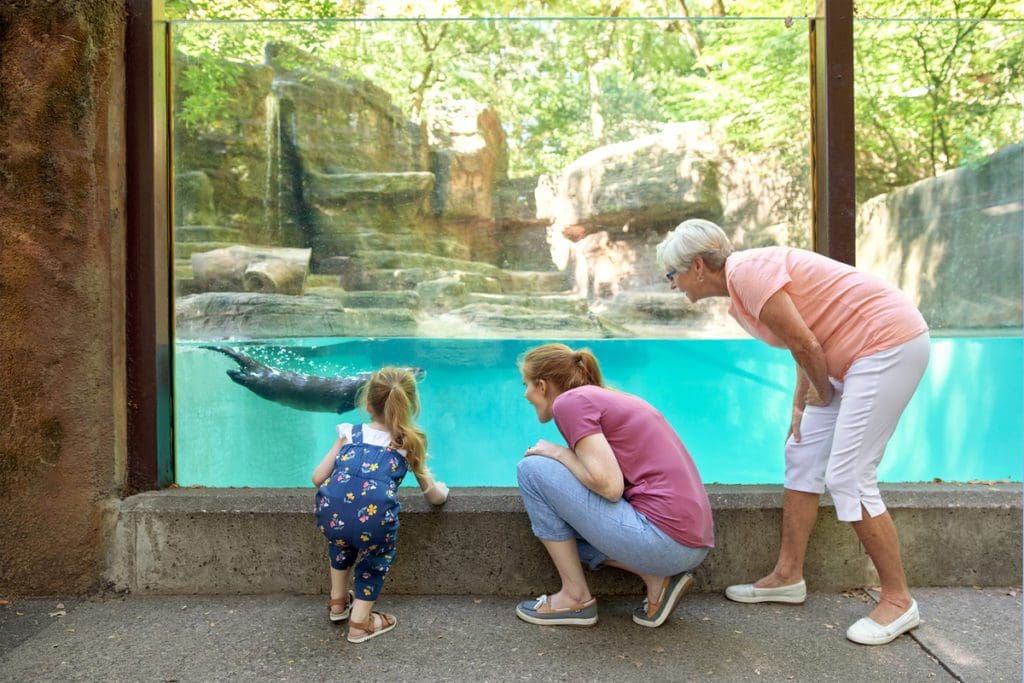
[728,399]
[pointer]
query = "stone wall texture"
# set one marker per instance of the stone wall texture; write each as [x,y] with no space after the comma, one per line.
[61,289]
[954,243]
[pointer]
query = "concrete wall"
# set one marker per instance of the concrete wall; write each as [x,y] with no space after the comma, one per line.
[954,243]
[61,289]
[265,541]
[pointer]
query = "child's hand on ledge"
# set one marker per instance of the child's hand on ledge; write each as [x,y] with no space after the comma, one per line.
[437,494]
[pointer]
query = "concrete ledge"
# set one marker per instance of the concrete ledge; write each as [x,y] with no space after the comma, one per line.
[217,541]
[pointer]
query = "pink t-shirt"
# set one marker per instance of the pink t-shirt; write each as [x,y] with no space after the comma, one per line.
[852,313]
[662,483]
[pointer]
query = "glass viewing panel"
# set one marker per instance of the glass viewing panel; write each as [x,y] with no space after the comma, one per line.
[940,190]
[445,194]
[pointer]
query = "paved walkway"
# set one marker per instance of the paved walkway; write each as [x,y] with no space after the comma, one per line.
[968,634]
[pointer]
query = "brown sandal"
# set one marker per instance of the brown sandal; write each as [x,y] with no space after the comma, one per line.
[387,622]
[346,600]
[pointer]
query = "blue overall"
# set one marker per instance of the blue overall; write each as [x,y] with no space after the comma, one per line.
[357,510]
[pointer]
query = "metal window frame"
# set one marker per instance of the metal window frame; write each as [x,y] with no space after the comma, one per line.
[833,177]
[148,273]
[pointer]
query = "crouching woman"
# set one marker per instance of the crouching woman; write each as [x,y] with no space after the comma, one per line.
[623,492]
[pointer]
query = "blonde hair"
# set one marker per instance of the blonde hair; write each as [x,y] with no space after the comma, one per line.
[692,238]
[390,396]
[561,366]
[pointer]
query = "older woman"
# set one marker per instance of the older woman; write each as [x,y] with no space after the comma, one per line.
[860,348]
[623,492]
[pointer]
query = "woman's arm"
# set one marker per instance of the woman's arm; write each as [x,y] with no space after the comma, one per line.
[593,463]
[779,315]
[436,492]
[326,466]
[799,402]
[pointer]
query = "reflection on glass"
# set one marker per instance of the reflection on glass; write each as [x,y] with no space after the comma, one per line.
[443,194]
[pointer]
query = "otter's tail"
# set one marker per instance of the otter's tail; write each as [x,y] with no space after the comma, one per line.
[244,362]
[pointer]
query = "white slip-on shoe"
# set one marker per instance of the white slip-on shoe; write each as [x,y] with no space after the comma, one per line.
[793,594]
[867,631]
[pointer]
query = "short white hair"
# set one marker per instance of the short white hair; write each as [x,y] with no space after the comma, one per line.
[692,238]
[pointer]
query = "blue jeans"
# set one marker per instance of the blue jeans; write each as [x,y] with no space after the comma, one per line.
[561,509]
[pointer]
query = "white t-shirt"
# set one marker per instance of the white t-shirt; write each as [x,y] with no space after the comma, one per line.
[371,435]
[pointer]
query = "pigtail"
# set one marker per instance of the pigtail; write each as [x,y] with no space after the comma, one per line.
[399,411]
[391,397]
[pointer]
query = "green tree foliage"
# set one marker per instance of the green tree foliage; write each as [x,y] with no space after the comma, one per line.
[566,76]
[935,93]
[222,35]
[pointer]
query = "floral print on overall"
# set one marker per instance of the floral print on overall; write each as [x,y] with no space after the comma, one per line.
[357,510]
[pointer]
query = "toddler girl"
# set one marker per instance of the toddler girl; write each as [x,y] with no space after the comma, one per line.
[356,502]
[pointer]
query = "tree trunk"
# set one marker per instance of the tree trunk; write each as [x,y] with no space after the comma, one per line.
[596,113]
[690,33]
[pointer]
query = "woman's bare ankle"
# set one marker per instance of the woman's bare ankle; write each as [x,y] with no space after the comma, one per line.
[563,599]
[654,586]
[778,580]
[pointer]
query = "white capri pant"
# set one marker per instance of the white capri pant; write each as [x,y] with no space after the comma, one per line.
[842,443]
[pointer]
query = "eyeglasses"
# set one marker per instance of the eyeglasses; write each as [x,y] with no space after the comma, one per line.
[670,274]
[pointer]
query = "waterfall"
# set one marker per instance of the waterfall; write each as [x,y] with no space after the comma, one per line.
[272,229]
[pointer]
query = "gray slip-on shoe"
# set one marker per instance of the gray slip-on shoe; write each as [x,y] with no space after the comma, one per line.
[540,611]
[672,591]
[746,592]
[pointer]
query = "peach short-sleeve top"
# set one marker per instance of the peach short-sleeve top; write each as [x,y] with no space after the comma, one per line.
[852,313]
